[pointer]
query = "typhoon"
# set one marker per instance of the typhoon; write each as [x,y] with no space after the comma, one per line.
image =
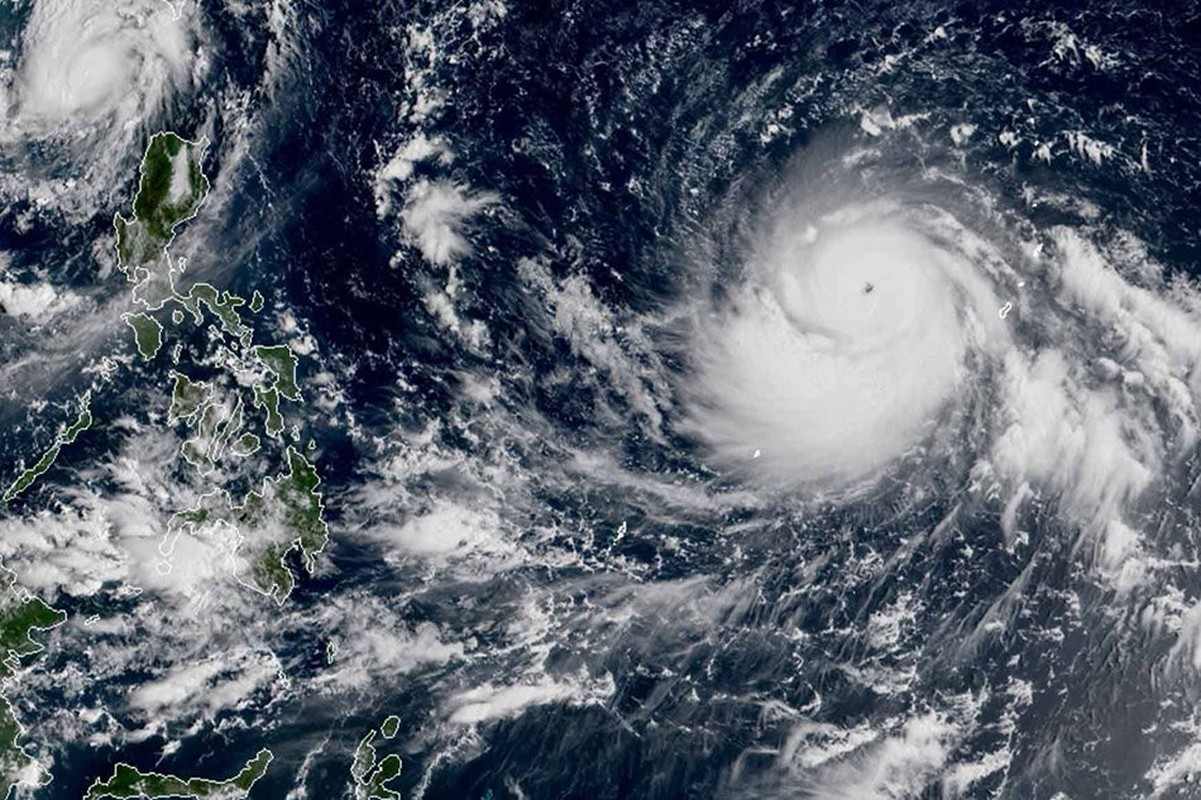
[645,400]
[92,79]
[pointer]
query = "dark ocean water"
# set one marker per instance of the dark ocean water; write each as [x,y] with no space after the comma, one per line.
[703,635]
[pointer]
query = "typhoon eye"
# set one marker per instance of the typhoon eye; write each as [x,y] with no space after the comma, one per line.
[846,345]
[625,400]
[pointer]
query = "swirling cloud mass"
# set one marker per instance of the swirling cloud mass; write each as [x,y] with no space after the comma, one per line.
[869,330]
[747,402]
[83,60]
[839,353]
[84,83]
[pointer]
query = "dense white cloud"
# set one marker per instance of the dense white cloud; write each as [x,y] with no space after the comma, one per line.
[220,682]
[371,642]
[83,59]
[863,764]
[842,349]
[36,302]
[434,216]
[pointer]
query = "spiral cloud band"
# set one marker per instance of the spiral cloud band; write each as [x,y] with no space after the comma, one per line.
[872,328]
[843,348]
[85,58]
[86,83]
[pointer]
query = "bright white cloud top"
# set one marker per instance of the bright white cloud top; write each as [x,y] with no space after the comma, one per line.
[845,342]
[884,329]
[84,59]
[838,355]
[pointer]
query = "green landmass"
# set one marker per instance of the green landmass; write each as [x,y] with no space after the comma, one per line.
[372,774]
[222,304]
[290,503]
[268,400]
[187,398]
[68,436]
[376,785]
[390,726]
[281,524]
[171,189]
[163,200]
[147,333]
[246,445]
[282,362]
[287,516]
[20,615]
[129,782]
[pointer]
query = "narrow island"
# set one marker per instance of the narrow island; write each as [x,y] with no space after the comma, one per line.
[43,464]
